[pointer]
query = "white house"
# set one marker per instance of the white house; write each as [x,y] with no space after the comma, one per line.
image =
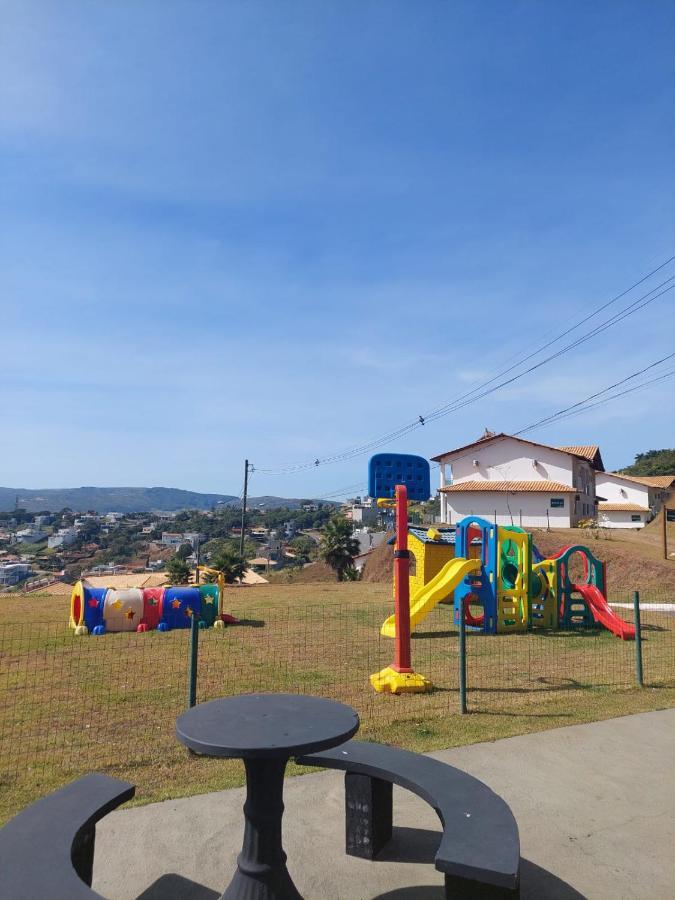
[13,573]
[514,481]
[64,537]
[30,535]
[361,514]
[629,501]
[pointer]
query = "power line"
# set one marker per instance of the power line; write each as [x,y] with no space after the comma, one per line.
[630,390]
[574,408]
[479,393]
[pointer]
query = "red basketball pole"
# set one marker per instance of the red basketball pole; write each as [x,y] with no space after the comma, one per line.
[401,583]
[400,675]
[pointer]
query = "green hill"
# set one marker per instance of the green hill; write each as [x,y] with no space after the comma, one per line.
[653,462]
[128,500]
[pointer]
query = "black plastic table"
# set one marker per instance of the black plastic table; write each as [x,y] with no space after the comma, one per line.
[265,730]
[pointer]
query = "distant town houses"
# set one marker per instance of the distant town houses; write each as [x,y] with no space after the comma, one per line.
[176,539]
[64,537]
[14,572]
[31,534]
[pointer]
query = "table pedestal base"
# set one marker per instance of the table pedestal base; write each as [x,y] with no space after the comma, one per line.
[261,866]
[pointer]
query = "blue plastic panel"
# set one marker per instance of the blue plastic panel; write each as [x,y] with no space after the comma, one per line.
[178,605]
[93,606]
[386,470]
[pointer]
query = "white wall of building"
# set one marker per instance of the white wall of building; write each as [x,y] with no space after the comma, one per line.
[622,519]
[30,535]
[63,538]
[614,489]
[511,509]
[508,459]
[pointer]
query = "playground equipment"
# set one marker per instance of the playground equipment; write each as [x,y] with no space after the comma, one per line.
[512,593]
[101,610]
[399,477]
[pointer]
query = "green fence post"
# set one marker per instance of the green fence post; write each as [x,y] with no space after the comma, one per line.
[638,639]
[462,660]
[194,655]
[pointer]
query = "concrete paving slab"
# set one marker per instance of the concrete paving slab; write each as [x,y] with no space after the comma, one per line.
[594,804]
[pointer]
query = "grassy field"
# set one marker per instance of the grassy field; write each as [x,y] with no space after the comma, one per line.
[70,705]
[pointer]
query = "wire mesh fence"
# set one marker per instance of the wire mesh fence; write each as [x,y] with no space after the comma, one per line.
[70,705]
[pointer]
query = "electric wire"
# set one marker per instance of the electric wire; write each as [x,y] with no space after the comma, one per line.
[488,387]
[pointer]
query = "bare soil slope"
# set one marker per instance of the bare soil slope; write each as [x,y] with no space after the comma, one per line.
[634,559]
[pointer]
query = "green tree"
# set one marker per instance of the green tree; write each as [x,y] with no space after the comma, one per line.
[652,462]
[338,548]
[231,564]
[178,571]
[184,551]
[305,548]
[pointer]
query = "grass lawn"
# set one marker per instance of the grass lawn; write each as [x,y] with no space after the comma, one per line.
[71,705]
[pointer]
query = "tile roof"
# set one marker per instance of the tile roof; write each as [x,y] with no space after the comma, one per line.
[582,452]
[540,486]
[591,452]
[662,481]
[446,536]
[622,507]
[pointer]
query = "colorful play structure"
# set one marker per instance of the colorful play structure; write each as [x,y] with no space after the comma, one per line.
[95,610]
[490,572]
[493,575]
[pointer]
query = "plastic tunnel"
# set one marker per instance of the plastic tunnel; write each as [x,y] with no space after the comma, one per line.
[209,603]
[179,605]
[152,606]
[123,610]
[86,606]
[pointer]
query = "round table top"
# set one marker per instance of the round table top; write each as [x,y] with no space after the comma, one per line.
[266,725]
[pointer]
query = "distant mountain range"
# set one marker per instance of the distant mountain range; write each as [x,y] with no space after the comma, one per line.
[128,499]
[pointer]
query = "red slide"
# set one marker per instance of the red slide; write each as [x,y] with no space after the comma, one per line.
[603,613]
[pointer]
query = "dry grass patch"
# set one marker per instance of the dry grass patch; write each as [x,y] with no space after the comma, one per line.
[70,705]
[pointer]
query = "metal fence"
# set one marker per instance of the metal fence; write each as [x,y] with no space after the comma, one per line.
[70,705]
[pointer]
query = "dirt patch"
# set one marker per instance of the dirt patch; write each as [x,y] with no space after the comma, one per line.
[628,567]
[380,563]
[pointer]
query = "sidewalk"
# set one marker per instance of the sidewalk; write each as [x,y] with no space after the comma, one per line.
[594,804]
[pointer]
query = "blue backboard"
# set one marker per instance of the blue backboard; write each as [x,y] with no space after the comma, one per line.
[386,470]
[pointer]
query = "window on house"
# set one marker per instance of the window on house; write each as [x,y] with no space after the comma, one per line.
[636,517]
[557,502]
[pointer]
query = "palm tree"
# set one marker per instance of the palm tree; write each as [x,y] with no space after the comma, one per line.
[231,564]
[177,571]
[338,548]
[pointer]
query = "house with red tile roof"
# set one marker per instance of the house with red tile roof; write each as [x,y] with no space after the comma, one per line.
[630,501]
[514,481]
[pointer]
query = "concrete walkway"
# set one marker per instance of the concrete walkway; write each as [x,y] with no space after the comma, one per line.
[594,804]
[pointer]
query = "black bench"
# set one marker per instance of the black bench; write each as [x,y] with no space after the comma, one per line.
[479,851]
[47,850]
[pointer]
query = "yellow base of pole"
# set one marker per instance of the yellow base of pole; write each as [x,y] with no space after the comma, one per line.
[389,680]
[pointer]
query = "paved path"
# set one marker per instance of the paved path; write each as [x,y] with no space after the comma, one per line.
[594,804]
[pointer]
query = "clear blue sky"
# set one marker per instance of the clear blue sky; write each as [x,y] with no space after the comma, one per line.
[278,229]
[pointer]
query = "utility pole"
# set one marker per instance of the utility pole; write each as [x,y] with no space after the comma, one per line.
[243,508]
[665,531]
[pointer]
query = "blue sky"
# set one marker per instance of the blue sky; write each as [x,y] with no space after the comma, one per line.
[279,229]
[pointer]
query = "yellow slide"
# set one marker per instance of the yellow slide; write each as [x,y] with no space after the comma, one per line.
[432,593]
